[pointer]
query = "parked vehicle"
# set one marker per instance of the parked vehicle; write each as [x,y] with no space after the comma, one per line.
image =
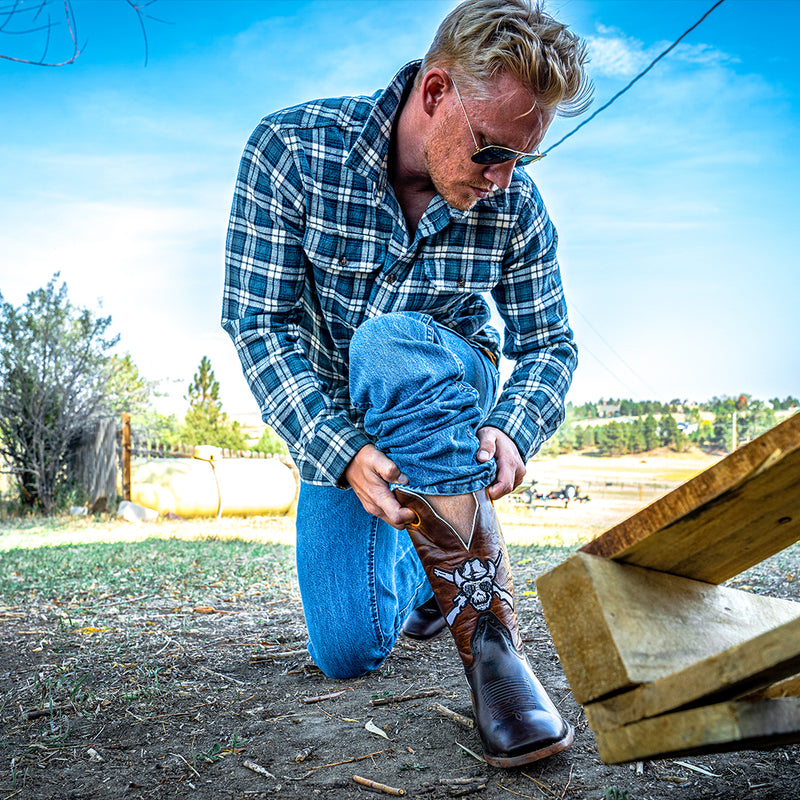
[526,494]
[569,494]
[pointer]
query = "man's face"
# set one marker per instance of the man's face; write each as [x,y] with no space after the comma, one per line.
[509,118]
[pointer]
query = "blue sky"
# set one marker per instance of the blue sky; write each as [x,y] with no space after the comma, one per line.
[676,207]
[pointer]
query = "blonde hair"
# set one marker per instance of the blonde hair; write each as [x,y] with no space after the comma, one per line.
[481,39]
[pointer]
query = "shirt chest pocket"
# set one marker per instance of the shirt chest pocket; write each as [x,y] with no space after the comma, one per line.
[461,275]
[345,272]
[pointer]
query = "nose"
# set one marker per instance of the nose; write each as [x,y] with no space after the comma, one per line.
[500,174]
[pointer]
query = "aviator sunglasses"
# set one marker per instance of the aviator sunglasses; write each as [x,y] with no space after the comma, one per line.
[495,153]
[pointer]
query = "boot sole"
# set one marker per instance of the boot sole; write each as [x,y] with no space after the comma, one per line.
[417,638]
[425,638]
[535,755]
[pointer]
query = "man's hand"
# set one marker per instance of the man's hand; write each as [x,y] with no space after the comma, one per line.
[510,466]
[369,474]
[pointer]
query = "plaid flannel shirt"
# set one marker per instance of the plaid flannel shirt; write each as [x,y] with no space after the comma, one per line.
[317,244]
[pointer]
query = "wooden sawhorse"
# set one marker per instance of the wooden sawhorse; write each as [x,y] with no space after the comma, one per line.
[664,660]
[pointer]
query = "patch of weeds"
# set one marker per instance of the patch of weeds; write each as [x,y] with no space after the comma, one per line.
[18,779]
[612,793]
[211,755]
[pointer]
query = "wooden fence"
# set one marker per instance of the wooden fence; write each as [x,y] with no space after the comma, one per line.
[106,447]
[93,464]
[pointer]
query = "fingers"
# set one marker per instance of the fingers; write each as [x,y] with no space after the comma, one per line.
[388,470]
[510,466]
[369,474]
[487,444]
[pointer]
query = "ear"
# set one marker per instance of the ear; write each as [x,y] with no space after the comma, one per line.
[434,87]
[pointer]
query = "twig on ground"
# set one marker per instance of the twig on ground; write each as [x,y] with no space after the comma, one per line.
[351,760]
[462,781]
[460,787]
[456,717]
[301,778]
[543,785]
[47,712]
[211,610]
[695,768]
[465,790]
[251,765]
[401,698]
[566,785]
[304,754]
[474,755]
[511,791]
[272,656]
[178,755]
[378,787]
[320,697]
[226,677]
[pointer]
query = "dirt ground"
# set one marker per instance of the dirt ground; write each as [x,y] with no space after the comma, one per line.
[185,699]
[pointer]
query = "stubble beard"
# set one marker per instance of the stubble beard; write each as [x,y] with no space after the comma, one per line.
[441,166]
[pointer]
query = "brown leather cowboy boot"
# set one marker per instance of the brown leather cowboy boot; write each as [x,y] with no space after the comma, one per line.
[471,578]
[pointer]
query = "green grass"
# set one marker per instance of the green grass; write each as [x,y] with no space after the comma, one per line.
[181,568]
[78,562]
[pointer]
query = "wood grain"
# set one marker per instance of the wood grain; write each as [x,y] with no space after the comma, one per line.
[616,626]
[731,674]
[735,725]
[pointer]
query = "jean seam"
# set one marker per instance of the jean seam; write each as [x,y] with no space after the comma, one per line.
[380,637]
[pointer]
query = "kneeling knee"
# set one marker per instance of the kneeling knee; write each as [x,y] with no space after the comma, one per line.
[341,654]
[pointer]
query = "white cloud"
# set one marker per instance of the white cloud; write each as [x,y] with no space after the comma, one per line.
[615,55]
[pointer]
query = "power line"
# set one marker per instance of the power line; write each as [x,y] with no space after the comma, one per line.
[600,337]
[583,348]
[640,75]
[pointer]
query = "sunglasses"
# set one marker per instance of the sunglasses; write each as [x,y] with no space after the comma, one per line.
[495,153]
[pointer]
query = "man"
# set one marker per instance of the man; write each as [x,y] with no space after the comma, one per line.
[363,232]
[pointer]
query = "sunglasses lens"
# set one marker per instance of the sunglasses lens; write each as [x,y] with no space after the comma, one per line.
[532,159]
[493,155]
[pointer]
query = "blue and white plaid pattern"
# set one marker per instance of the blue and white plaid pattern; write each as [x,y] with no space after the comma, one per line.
[317,244]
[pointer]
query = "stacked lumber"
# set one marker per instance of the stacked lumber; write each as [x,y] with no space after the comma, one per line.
[664,659]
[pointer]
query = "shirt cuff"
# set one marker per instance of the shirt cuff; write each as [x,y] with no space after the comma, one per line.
[335,443]
[516,424]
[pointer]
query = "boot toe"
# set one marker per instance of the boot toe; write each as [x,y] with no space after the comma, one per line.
[517,721]
[525,738]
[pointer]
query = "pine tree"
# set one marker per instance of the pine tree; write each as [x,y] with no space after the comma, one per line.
[205,421]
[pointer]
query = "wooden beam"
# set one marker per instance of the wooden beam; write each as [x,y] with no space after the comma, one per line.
[728,675]
[735,725]
[786,688]
[723,521]
[616,626]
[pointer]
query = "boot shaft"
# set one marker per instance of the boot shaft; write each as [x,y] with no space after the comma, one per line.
[469,570]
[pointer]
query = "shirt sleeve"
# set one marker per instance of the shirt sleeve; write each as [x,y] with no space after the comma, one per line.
[530,300]
[265,278]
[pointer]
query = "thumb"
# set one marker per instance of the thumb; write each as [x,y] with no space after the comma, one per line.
[487,449]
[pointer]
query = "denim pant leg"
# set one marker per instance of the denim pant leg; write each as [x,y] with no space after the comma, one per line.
[359,579]
[424,391]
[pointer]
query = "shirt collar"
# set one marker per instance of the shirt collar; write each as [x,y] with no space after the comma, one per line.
[370,153]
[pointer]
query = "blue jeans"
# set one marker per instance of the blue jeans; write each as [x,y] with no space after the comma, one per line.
[424,391]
